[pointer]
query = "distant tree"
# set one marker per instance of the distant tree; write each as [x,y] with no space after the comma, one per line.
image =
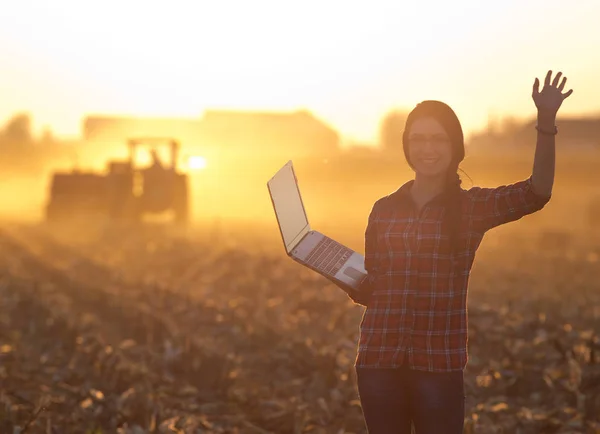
[47,137]
[391,129]
[17,132]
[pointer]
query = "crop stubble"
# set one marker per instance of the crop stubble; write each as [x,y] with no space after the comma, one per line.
[144,332]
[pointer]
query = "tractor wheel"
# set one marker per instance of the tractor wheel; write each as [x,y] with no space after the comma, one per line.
[593,213]
[54,214]
[129,212]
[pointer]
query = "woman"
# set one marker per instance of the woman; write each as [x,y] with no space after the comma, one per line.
[420,244]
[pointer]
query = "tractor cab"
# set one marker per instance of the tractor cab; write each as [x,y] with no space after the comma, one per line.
[157,186]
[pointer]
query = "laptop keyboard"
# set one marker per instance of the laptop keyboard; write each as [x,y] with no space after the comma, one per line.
[328,256]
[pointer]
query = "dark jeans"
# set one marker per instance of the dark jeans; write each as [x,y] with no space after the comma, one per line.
[393,398]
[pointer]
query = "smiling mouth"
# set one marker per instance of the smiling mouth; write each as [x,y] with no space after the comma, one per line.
[429,160]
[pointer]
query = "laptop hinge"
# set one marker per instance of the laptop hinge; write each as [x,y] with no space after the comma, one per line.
[298,238]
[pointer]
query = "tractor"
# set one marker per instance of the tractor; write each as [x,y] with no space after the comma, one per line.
[126,192]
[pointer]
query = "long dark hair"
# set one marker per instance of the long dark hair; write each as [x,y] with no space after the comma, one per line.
[452,193]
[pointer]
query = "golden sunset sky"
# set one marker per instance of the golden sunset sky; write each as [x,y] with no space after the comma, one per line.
[347,61]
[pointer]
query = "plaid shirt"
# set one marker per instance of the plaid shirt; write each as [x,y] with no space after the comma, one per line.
[416,290]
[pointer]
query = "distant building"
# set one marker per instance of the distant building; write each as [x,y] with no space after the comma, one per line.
[117,128]
[292,133]
[575,133]
[295,134]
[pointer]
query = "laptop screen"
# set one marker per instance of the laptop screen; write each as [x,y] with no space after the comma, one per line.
[287,204]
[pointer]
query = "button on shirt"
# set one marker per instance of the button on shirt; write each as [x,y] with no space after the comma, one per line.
[416,289]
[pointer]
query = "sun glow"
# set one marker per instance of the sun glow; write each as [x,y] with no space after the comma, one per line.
[196,162]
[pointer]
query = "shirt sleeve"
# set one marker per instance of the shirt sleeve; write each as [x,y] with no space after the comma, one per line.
[496,206]
[362,295]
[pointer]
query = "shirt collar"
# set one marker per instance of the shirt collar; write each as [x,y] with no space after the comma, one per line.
[402,196]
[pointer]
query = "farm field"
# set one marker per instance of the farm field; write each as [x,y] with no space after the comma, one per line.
[215,330]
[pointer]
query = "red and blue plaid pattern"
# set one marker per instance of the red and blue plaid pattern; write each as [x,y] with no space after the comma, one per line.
[416,290]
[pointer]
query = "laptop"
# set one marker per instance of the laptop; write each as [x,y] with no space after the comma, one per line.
[309,247]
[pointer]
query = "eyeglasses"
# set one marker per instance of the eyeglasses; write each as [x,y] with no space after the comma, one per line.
[436,141]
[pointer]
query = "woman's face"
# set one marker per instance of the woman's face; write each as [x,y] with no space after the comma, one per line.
[429,147]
